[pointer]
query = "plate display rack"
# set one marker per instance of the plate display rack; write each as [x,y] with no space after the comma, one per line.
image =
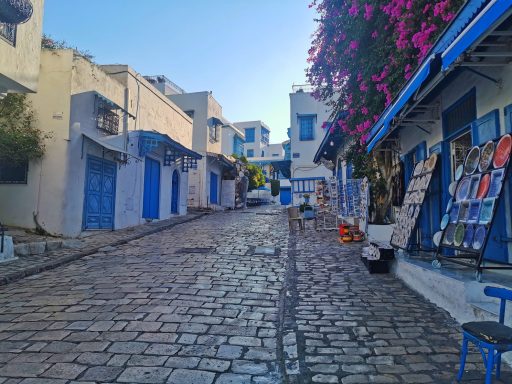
[407,219]
[470,214]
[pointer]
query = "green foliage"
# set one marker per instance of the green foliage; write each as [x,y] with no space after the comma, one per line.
[20,140]
[48,43]
[256,177]
[275,186]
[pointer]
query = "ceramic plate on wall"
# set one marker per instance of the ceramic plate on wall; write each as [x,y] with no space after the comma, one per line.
[486,210]
[468,236]
[486,155]
[483,187]
[464,211]
[502,151]
[444,221]
[411,185]
[496,181]
[458,238]
[452,188]
[449,235]
[449,206]
[458,172]
[478,240]
[472,161]
[454,213]
[463,189]
[430,164]
[419,168]
[437,238]
[473,185]
[474,211]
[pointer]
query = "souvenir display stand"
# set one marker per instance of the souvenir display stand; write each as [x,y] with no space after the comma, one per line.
[407,219]
[476,195]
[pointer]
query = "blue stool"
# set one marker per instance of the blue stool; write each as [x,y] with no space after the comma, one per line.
[493,336]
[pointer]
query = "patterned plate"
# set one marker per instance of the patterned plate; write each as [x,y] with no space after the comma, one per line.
[463,189]
[459,235]
[486,155]
[472,160]
[468,236]
[419,168]
[483,187]
[502,151]
[478,240]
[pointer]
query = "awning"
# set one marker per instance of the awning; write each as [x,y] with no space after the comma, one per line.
[222,159]
[111,104]
[495,12]
[283,166]
[326,150]
[112,143]
[149,141]
[381,127]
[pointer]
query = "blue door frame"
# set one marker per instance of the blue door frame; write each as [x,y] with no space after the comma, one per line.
[151,203]
[214,188]
[175,190]
[100,194]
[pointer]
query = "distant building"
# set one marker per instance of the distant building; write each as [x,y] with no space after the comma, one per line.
[232,140]
[20,47]
[257,137]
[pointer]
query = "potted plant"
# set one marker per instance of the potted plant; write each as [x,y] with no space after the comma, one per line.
[306,197]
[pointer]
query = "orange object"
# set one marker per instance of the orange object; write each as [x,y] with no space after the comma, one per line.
[346,238]
[344,229]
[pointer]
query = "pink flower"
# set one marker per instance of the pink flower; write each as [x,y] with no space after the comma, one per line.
[368,11]
[364,110]
[353,10]
[375,34]
[354,44]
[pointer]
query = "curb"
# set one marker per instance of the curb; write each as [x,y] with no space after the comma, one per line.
[15,276]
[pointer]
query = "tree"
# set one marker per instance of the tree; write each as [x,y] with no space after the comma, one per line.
[20,140]
[362,53]
[254,173]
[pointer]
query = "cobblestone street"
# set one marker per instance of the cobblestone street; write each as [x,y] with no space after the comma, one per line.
[228,298]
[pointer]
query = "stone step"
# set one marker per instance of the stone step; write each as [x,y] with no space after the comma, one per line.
[41,247]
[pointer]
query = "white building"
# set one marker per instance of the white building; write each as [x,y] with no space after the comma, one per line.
[20,48]
[306,134]
[232,140]
[205,189]
[117,157]
[257,138]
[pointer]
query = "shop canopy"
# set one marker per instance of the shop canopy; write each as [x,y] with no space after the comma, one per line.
[110,143]
[468,15]
[149,141]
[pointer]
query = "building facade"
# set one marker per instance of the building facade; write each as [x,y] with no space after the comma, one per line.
[257,138]
[232,140]
[307,116]
[105,166]
[20,48]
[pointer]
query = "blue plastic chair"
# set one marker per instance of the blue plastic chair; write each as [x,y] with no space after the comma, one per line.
[493,336]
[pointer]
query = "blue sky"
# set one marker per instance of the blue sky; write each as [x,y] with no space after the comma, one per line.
[248,52]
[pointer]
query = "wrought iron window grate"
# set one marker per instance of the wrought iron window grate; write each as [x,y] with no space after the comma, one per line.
[107,120]
[8,33]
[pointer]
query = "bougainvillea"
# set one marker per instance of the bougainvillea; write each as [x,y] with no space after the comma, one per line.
[362,53]
[365,50]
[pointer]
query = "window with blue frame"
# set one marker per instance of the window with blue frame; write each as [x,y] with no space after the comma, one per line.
[287,151]
[249,135]
[265,136]
[238,145]
[250,153]
[306,185]
[460,114]
[307,127]
[262,153]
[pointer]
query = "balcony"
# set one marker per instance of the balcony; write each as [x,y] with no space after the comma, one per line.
[107,121]
[8,33]
[302,88]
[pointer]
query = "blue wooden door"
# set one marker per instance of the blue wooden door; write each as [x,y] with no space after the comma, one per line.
[482,130]
[285,195]
[214,188]
[100,194]
[175,190]
[151,203]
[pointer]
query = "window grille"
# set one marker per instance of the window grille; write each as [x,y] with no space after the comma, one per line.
[8,33]
[307,127]
[106,119]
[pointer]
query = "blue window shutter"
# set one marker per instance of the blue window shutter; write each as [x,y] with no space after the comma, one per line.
[486,127]
[349,171]
[421,151]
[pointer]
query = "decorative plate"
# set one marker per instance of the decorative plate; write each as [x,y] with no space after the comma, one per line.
[454,213]
[411,185]
[478,240]
[458,238]
[474,211]
[452,187]
[486,210]
[444,221]
[437,238]
[473,185]
[463,189]
[486,155]
[502,151]
[430,164]
[496,179]
[464,211]
[472,159]
[458,172]
[483,187]
[449,206]
[449,234]
[419,168]
[417,211]
[468,236]
[410,213]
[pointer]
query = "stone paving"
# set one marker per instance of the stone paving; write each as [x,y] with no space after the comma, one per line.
[77,248]
[231,298]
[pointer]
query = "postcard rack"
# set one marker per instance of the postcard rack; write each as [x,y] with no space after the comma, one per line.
[407,219]
[471,211]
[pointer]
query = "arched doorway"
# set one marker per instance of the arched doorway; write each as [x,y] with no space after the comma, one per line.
[175,190]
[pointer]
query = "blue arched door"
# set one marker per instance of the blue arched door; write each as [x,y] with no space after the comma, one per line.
[175,190]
